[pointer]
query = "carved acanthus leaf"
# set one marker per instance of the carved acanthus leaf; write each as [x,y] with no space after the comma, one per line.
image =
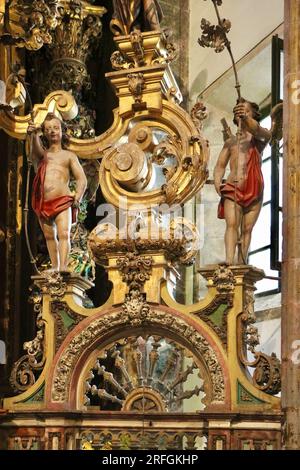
[135,269]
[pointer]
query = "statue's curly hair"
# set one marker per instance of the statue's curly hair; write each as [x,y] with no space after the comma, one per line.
[255,109]
[65,138]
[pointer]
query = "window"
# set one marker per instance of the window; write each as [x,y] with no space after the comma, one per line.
[266,243]
[277,158]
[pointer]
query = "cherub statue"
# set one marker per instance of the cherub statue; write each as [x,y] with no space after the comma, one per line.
[242,194]
[52,200]
[132,15]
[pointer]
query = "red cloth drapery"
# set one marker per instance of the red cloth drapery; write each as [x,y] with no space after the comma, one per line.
[252,190]
[48,210]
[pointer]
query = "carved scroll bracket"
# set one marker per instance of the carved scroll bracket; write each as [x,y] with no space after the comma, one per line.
[267,369]
[27,369]
[60,102]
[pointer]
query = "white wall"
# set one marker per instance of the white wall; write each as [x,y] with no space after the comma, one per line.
[252,21]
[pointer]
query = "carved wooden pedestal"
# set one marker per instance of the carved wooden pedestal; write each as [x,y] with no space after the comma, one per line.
[122,371]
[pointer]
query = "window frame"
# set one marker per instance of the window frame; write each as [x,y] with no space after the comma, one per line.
[275,208]
[277,49]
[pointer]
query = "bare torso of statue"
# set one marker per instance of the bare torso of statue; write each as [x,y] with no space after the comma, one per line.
[57,175]
[239,157]
[52,199]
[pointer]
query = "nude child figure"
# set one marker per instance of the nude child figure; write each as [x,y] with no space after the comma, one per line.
[242,194]
[52,201]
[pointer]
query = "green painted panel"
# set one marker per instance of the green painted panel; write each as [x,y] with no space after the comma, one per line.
[245,397]
[37,397]
[217,316]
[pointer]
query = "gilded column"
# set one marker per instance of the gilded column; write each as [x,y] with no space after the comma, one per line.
[291,230]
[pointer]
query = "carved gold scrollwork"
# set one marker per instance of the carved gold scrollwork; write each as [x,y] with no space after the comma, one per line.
[199,114]
[59,102]
[144,49]
[135,270]
[26,370]
[55,285]
[183,177]
[29,23]
[267,374]
[119,62]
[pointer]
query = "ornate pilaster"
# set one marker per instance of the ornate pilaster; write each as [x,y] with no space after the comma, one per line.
[74,39]
[291,230]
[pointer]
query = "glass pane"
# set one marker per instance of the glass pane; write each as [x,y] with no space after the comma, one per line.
[266,122]
[265,285]
[266,170]
[280,180]
[280,238]
[261,235]
[262,261]
[281,74]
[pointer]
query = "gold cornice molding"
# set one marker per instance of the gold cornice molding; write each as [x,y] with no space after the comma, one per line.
[60,102]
